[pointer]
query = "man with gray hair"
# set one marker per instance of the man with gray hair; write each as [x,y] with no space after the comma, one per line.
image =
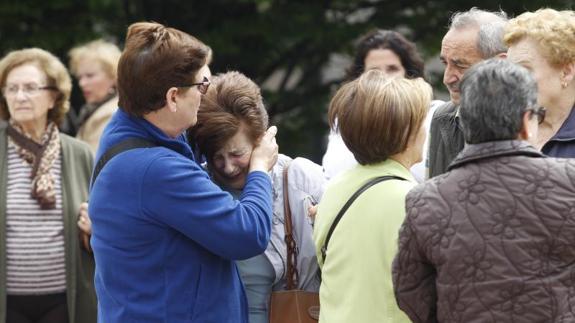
[492,241]
[473,36]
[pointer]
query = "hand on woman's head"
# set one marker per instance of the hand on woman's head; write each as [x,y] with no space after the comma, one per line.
[265,154]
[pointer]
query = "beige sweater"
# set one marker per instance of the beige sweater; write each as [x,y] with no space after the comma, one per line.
[92,129]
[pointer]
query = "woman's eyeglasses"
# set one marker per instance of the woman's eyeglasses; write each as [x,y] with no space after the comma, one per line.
[29,90]
[539,112]
[202,86]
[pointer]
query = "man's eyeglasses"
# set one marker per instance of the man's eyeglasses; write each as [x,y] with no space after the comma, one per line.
[29,90]
[539,112]
[202,86]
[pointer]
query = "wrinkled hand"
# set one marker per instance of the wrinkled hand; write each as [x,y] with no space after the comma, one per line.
[85,225]
[265,154]
[84,222]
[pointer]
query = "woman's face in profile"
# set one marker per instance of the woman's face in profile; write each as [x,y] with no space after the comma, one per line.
[231,164]
[94,81]
[527,53]
[385,60]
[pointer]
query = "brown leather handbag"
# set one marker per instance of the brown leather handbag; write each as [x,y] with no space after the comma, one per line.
[292,305]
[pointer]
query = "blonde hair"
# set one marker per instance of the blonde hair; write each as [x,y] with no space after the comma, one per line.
[56,76]
[378,116]
[103,52]
[553,30]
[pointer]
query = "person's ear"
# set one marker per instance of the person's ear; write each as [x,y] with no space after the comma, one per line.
[171,96]
[502,55]
[525,132]
[567,74]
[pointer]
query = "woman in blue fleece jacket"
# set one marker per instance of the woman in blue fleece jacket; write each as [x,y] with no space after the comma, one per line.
[164,236]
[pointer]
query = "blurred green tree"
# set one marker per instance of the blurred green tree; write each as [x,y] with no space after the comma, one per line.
[293,49]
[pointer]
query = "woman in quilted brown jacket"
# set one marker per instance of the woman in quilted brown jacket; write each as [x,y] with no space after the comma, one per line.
[492,240]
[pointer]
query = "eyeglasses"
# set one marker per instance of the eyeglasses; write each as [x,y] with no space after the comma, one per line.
[202,86]
[539,112]
[30,89]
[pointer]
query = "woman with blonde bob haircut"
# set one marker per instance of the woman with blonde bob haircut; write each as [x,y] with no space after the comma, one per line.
[544,42]
[95,66]
[381,122]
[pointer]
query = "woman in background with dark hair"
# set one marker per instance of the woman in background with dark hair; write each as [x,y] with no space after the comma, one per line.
[388,51]
[395,56]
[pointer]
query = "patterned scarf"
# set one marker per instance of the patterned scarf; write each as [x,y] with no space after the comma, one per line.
[41,156]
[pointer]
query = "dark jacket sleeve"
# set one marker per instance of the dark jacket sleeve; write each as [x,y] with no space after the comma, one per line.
[413,275]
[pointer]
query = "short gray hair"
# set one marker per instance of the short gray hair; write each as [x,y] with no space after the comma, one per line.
[491,29]
[495,94]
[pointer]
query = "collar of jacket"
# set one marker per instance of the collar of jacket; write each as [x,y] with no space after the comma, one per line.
[141,127]
[450,111]
[567,130]
[476,152]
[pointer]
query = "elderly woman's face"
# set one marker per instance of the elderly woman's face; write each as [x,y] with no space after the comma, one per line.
[385,60]
[27,97]
[527,53]
[94,81]
[231,164]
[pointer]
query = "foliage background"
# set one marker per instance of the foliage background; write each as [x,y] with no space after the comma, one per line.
[296,50]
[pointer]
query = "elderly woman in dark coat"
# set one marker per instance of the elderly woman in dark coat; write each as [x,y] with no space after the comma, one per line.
[492,239]
[544,42]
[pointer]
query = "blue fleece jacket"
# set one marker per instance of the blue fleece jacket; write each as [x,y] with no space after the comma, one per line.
[165,237]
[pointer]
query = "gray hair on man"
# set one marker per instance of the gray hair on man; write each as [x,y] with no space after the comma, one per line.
[494,97]
[491,29]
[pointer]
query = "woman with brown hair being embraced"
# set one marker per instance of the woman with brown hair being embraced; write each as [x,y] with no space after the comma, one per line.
[231,119]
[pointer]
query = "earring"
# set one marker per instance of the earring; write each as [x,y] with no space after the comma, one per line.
[529,135]
[564,84]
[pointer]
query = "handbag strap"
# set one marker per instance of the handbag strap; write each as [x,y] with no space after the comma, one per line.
[292,274]
[355,195]
[127,144]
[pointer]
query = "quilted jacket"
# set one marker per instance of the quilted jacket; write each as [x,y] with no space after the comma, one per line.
[492,240]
